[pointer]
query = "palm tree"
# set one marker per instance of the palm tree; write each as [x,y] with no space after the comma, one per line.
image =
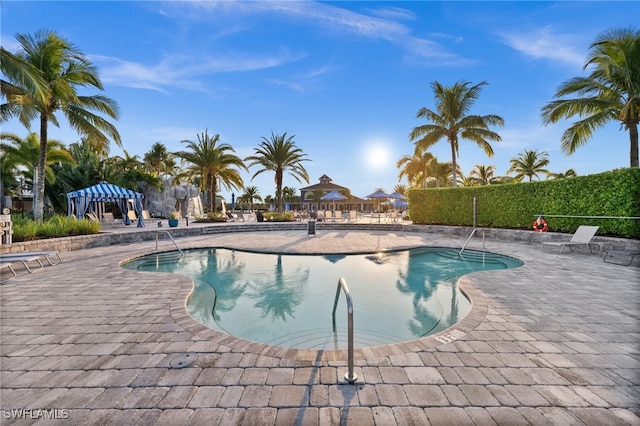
[610,92]
[129,172]
[43,78]
[415,168]
[214,164]
[26,152]
[90,168]
[288,194]
[251,193]
[278,155]
[158,161]
[561,175]
[452,122]
[482,175]
[400,189]
[268,200]
[529,163]
[442,173]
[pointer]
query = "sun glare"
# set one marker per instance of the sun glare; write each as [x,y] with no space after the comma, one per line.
[377,155]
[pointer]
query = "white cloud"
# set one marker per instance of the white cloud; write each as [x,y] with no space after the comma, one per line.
[338,19]
[543,43]
[182,71]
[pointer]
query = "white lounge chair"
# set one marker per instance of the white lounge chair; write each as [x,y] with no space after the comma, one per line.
[9,265]
[30,254]
[353,216]
[25,260]
[582,237]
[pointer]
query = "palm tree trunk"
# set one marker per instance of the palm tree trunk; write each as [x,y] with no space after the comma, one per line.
[212,196]
[633,137]
[279,190]
[38,179]
[454,175]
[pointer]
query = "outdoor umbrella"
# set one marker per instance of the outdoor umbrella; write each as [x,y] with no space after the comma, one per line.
[397,196]
[379,195]
[333,196]
[399,200]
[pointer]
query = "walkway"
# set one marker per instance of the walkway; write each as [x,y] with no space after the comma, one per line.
[552,342]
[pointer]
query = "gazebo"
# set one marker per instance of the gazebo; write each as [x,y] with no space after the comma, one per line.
[92,198]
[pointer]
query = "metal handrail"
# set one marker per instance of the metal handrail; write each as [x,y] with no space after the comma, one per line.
[468,239]
[350,376]
[171,238]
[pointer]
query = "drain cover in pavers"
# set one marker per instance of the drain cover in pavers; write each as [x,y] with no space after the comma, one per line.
[183,360]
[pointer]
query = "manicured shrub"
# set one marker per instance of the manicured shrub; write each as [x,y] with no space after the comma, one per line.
[609,194]
[278,217]
[25,229]
[212,218]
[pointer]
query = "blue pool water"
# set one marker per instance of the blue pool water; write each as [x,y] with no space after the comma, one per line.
[287,299]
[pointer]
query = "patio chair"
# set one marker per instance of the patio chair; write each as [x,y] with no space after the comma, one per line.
[110,220]
[24,258]
[9,265]
[353,215]
[92,217]
[582,237]
[625,254]
[338,215]
[46,254]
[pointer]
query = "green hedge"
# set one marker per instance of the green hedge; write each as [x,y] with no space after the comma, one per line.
[615,193]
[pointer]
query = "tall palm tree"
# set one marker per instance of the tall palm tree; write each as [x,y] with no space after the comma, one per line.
[451,121]
[278,155]
[529,163]
[214,163]
[44,78]
[251,193]
[482,175]
[610,92]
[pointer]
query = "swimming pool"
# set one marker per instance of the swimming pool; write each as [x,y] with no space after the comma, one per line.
[287,299]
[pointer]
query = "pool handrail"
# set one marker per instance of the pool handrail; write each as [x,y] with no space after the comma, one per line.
[171,238]
[350,376]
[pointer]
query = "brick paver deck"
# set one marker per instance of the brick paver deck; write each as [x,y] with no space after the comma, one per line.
[552,342]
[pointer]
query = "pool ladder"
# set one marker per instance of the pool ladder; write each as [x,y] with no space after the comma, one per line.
[350,376]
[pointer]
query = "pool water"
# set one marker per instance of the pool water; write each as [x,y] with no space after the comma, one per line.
[287,299]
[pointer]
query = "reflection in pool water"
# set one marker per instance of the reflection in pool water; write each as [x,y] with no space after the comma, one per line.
[287,299]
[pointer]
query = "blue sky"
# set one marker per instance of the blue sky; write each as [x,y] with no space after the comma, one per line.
[346,78]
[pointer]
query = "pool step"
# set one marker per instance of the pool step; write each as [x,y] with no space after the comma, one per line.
[165,258]
[471,256]
[325,339]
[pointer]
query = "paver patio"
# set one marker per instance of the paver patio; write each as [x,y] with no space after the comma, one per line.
[553,342]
